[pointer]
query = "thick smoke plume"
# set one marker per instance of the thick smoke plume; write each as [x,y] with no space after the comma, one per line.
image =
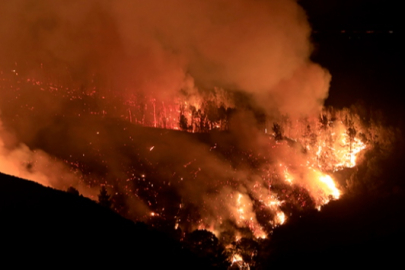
[158,48]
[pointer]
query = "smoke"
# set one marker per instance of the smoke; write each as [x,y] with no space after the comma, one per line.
[66,66]
[19,160]
[260,48]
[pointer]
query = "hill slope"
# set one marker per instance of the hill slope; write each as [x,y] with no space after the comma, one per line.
[47,223]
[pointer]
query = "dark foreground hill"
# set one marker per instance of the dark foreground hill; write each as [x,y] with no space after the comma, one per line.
[53,225]
[362,231]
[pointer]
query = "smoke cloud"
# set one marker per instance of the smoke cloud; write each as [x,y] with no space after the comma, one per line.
[259,47]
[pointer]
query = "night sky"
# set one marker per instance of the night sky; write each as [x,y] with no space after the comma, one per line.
[353,14]
[359,43]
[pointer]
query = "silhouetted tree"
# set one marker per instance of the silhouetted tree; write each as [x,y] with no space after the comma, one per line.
[278,135]
[212,113]
[205,245]
[73,191]
[222,117]
[323,119]
[104,198]
[119,204]
[351,132]
[183,122]
[193,116]
[248,249]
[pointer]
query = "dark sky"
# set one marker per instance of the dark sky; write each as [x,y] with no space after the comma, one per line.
[353,14]
[364,67]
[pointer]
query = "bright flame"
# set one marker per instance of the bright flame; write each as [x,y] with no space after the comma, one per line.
[328,181]
[287,176]
[236,258]
[281,218]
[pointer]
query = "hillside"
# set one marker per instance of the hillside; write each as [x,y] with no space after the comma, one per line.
[42,222]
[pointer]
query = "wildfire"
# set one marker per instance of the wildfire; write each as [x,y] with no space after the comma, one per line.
[300,158]
[216,128]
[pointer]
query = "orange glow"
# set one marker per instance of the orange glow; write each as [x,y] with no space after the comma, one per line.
[281,218]
[328,181]
[287,176]
[236,258]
